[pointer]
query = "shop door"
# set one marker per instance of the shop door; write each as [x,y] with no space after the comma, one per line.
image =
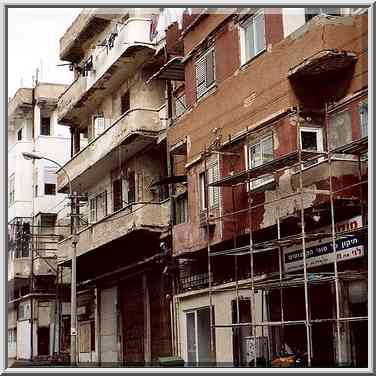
[240,333]
[132,304]
[322,304]
[198,337]
[43,341]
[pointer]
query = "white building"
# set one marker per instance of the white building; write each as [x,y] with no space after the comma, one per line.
[33,203]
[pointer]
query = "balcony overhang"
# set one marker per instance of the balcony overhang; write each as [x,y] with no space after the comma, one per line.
[131,222]
[179,148]
[20,106]
[79,100]
[133,143]
[87,25]
[172,70]
[323,62]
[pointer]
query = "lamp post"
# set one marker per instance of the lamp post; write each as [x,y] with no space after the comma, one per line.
[74,213]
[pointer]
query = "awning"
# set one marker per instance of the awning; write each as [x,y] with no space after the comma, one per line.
[169,180]
[172,70]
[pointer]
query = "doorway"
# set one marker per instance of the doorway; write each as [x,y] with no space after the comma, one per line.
[43,341]
[199,337]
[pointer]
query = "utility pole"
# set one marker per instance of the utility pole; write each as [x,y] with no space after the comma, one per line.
[75,215]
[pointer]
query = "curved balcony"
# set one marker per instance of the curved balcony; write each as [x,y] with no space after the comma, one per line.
[110,66]
[151,216]
[137,128]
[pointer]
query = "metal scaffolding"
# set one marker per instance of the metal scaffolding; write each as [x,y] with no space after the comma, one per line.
[281,280]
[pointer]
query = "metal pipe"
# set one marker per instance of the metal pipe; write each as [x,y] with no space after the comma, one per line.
[206,194]
[308,332]
[333,230]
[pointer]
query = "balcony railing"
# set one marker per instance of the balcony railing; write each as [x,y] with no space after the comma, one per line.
[135,32]
[139,216]
[138,123]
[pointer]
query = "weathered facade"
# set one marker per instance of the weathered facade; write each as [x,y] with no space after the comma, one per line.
[267,145]
[123,307]
[33,205]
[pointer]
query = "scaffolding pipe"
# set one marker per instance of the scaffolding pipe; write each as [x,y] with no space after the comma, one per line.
[206,194]
[308,331]
[331,197]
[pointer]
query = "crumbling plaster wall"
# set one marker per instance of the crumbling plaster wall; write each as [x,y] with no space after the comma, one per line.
[271,92]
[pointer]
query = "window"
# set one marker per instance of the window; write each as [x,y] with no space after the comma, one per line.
[131,187]
[99,124]
[117,194]
[213,192]
[340,129]
[180,105]
[11,189]
[49,181]
[311,139]
[205,73]
[201,185]
[45,126]
[98,207]
[312,12]
[252,37]
[199,336]
[12,335]
[363,118]
[24,311]
[260,153]
[19,135]
[182,209]
[125,102]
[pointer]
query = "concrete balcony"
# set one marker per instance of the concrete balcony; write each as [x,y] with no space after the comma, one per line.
[136,128]
[110,66]
[21,267]
[152,217]
[87,24]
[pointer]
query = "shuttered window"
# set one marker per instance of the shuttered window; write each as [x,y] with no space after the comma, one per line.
[205,72]
[50,181]
[363,117]
[252,36]
[99,124]
[180,106]
[260,153]
[98,207]
[213,193]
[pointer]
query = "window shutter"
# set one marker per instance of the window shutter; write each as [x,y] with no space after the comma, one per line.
[50,175]
[259,23]
[180,106]
[209,68]
[213,191]
[201,77]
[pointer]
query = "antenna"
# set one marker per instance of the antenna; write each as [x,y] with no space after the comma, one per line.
[41,69]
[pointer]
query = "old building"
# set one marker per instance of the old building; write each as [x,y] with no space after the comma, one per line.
[33,204]
[123,306]
[267,145]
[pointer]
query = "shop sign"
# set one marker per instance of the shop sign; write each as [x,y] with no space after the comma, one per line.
[321,253]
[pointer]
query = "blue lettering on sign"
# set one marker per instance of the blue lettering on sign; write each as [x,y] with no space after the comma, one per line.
[323,249]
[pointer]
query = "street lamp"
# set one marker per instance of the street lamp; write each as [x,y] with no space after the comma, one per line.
[74,213]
